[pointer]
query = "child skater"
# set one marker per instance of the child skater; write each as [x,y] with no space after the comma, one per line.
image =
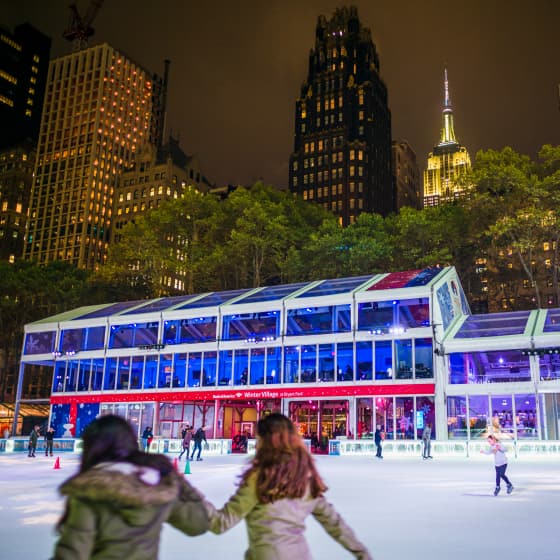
[500,462]
[120,498]
[278,490]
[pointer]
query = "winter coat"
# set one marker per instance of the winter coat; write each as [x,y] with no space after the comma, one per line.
[499,452]
[187,439]
[116,510]
[33,437]
[427,433]
[276,530]
[199,435]
[378,437]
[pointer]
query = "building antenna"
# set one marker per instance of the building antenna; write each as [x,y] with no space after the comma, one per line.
[79,29]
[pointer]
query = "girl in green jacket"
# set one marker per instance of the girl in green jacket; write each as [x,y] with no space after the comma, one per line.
[119,500]
[277,492]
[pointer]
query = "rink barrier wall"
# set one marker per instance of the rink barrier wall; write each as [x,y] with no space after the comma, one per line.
[337,447]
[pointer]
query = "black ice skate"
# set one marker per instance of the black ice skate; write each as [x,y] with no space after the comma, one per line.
[510,488]
[496,490]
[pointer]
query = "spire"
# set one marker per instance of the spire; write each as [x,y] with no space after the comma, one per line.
[447,131]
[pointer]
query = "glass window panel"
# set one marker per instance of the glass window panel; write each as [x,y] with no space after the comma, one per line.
[150,372]
[252,326]
[478,416]
[39,342]
[135,417]
[383,359]
[317,320]
[170,332]
[345,361]
[364,360]
[58,378]
[403,358]
[257,366]
[241,367]
[137,372]
[213,299]
[549,411]
[326,362]
[384,414]
[404,414]
[272,293]
[74,340]
[111,309]
[502,416]
[97,367]
[84,375]
[549,366]
[147,410]
[309,363]
[210,368]
[526,416]
[291,364]
[273,365]
[135,334]
[165,371]
[423,358]
[226,367]
[110,377]
[552,321]
[180,369]
[457,417]
[337,286]
[425,414]
[413,313]
[364,410]
[494,324]
[195,371]
[197,329]
[123,378]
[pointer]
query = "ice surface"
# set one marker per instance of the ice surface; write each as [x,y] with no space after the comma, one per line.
[402,508]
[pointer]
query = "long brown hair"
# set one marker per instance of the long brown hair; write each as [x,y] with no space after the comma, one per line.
[282,464]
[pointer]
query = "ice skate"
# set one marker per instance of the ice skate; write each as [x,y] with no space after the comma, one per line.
[510,488]
[496,490]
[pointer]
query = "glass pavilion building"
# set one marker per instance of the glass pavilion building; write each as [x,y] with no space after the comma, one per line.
[339,357]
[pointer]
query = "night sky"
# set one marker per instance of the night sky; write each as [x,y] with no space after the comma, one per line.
[237,68]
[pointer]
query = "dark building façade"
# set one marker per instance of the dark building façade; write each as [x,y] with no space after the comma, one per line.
[342,147]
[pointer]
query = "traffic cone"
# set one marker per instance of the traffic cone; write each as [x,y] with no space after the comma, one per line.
[57,463]
[176,464]
[188,467]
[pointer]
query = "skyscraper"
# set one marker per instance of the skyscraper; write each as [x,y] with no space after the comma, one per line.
[24,60]
[342,147]
[100,107]
[448,162]
[407,176]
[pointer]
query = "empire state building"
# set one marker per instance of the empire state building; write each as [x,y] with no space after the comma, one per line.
[448,163]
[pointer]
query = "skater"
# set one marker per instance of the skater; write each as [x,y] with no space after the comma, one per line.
[379,436]
[120,498]
[49,441]
[147,438]
[187,437]
[278,490]
[500,462]
[33,438]
[198,438]
[426,442]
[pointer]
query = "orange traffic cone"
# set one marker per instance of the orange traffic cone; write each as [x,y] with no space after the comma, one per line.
[57,463]
[176,464]
[188,467]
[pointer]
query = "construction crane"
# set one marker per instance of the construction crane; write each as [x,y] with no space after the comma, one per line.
[80,29]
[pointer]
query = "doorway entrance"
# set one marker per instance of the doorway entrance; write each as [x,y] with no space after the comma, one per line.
[320,421]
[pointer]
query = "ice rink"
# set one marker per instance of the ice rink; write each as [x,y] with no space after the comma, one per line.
[402,508]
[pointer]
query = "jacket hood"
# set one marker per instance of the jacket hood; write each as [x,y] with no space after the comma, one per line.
[123,484]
